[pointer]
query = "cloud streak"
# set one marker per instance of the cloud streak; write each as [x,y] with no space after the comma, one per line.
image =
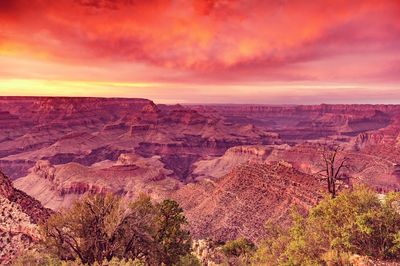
[204,41]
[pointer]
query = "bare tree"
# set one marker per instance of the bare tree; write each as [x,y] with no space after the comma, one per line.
[335,162]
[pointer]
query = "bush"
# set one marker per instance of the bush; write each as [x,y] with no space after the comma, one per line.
[188,260]
[120,262]
[41,258]
[355,222]
[238,251]
[100,228]
[336,258]
[238,247]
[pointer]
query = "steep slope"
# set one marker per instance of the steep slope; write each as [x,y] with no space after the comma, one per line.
[241,202]
[17,232]
[29,205]
[19,216]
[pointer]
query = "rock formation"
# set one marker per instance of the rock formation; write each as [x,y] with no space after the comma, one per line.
[57,186]
[19,216]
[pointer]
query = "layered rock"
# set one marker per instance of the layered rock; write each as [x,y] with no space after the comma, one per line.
[58,186]
[220,166]
[297,123]
[90,130]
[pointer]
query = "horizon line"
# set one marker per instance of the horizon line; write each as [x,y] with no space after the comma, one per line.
[193,103]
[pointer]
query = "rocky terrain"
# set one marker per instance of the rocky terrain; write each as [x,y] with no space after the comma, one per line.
[223,163]
[19,217]
[241,202]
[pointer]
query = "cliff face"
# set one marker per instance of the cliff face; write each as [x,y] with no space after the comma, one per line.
[19,216]
[29,205]
[90,130]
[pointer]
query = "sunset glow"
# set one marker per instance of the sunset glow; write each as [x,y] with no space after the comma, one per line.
[203,50]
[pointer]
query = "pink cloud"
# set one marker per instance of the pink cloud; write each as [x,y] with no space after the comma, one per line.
[202,41]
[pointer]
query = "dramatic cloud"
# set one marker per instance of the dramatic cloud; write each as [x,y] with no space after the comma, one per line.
[202,42]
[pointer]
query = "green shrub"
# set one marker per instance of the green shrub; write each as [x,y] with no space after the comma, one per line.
[120,262]
[188,260]
[355,222]
[41,258]
[336,258]
[36,258]
[100,228]
[238,247]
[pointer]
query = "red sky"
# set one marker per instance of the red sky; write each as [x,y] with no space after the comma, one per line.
[247,51]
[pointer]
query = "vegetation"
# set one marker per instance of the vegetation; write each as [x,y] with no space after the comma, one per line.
[99,228]
[103,230]
[238,247]
[188,260]
[239,251]
[34,258]
[355,222]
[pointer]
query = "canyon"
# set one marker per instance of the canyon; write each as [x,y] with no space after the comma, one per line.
[222,163]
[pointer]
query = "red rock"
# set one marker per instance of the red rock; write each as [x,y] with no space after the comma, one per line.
[241,202]
[29,205]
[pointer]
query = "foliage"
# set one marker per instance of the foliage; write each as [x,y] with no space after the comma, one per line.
[238,251]
[355,222]
[238,247]
[334,257]
[188,260]
[120,262]
[36,258]
[272,246]
[170,236]
[100,228]
[41,258]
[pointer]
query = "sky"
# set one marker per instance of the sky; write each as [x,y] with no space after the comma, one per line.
[203,51]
